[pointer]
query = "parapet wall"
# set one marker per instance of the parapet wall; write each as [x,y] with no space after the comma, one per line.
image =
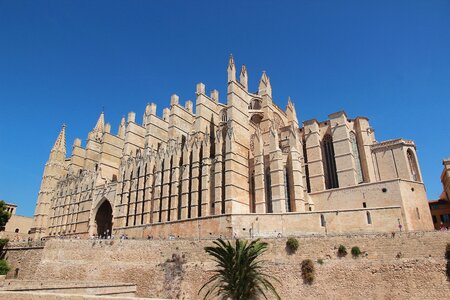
[407,265]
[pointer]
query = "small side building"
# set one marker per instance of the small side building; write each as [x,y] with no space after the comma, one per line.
[18,227]
[440,209]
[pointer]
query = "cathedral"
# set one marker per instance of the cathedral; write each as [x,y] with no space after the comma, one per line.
[243,168]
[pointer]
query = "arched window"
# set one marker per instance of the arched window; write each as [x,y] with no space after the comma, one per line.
[17,230]
[356,157]
[369,218]
[331,179]
[223,115]
[413,165]
[269,208]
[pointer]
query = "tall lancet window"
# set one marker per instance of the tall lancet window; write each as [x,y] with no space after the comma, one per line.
[331,179]
[287,190]
[413,165]
[161,192]
[252,193]
[268,183]
[305,159]
[357,158]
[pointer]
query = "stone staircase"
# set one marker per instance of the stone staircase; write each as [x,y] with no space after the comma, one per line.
[71,287]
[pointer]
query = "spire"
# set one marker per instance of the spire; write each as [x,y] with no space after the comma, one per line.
[291,113]
[60,144]
[231,69]
[100,126]
[265,87]
[121,132]
[243,77]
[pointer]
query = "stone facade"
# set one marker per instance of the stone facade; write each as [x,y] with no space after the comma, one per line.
[239,168]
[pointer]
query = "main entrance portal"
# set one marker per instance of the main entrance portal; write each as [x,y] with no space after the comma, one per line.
[103,219]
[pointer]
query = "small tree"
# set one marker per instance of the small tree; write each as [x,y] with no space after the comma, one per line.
[292,244]
[356,251]
[4,215]
[3,243]
[308,271]
[4,267]
[342,251]
[239,274]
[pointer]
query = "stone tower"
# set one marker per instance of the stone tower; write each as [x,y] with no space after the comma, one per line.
[54,170]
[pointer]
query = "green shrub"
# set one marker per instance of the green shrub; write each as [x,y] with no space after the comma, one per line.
[356,251]
[3,243]
[320,261]
[308,271]
[342,251]
[4,267]
[292,244]
[447,251]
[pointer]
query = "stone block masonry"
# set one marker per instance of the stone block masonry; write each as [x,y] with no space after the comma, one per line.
[401,266]
[242,156]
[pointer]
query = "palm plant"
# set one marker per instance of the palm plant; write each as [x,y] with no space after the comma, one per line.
[239,274]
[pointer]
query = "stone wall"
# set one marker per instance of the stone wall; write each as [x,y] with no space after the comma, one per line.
[407,265]
[25,260]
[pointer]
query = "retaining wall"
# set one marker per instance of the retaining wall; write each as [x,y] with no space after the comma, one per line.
[404,266]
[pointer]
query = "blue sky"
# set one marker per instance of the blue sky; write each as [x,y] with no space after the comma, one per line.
[62,61]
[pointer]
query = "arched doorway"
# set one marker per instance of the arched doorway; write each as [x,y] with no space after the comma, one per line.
[103,219]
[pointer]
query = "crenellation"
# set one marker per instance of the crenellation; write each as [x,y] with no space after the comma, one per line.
[189,106]
[174,99]
[215,96]
[131,117]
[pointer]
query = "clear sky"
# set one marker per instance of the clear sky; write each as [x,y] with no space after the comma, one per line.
[62,61]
